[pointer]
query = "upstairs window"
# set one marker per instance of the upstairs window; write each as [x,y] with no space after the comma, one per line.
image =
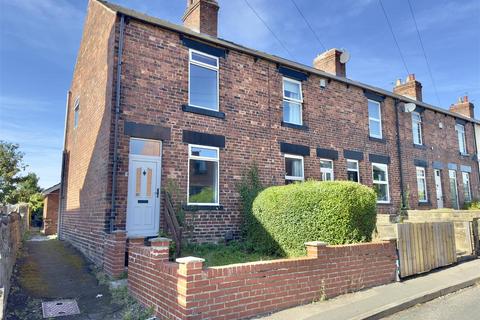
[293,168]
[203,175]
[417,128]
[462,144]
[326,169]
[421,185]
[76,112]
[292,101]
[380,182]
[374,119]
[203,81]
[353,170]
[467,191]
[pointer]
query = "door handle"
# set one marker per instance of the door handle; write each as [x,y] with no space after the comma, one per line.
[158,192]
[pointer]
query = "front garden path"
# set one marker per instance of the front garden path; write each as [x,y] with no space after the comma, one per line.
[49,269]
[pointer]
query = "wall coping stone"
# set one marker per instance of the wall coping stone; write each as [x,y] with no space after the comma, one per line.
[187,260]
[316,243]
[160,239]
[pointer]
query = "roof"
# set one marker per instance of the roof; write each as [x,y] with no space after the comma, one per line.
[289,63]
[54,188]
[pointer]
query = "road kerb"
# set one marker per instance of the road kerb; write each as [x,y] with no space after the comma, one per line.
[401,305]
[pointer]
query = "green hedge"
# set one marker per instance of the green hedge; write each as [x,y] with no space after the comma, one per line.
[336,212]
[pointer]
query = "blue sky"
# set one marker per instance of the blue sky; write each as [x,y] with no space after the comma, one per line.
[39,40]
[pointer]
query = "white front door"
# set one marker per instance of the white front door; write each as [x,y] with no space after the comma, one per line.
[143,203]
[438,186]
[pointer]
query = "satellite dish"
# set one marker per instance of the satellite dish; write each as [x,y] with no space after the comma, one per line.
[409,107]
[344,57]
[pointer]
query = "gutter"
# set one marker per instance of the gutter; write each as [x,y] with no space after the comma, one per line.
[399,152]
[113,210]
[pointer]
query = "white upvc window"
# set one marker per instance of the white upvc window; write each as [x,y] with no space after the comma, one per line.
[353,171]
[203,81]
[380,182]
[467,191]
[203,175]
[417,128]
[293,168]
[462,144]
[326,169]
[76,112]
[375,119]
[421,185]
[292,101]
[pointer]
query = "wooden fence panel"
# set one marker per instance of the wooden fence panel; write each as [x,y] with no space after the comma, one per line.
[425,246]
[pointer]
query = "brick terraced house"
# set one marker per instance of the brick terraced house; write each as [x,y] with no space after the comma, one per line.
[153,104]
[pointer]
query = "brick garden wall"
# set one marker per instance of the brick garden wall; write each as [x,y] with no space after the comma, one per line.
[13,225]
[187,290]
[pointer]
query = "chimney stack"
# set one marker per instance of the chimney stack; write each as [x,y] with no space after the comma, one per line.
[463,107]
[329,61]
[202,16]
[411,88]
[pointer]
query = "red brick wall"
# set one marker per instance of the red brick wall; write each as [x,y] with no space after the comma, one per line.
[440,145]
[50,213]
[87,172]
[187,290]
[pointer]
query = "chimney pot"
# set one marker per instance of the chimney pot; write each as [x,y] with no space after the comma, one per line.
[202,16]
[411,77]
[329,61]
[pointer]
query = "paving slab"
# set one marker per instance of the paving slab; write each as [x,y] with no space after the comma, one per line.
[49,269]
[382,301]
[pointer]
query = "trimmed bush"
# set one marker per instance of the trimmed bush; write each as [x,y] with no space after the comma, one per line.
[337,212]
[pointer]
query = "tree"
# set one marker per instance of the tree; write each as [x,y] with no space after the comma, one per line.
[26,187]
[11,164]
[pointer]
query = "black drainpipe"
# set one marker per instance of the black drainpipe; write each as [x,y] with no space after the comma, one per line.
[399,152]
[117,114]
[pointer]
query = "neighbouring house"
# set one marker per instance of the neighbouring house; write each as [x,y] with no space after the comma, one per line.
[153,104]
[50,209]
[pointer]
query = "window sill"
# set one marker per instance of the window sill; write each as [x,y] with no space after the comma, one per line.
[466,155]
[425,204]
[202,208]
[204,112]
[384,203]
[420,146]
[294,126]
[381,140]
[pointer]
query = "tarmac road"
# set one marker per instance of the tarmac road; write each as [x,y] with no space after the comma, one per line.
[461,305]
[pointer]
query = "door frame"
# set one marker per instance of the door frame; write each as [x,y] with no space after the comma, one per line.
[441,187]
[158,182]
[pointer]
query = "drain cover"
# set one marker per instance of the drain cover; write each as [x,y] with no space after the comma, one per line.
[59,308]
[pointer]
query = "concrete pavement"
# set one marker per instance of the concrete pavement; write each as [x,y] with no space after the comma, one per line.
[379,302]
[461,305]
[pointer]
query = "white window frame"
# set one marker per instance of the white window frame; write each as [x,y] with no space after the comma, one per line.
[190,157]
[207,66]
[424,178]
[467,176]
[76,113]
[324,171]
[460,129]
[385,168]
[294,178]
[418,133]
[351,170]
[295,101]
[379,120]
